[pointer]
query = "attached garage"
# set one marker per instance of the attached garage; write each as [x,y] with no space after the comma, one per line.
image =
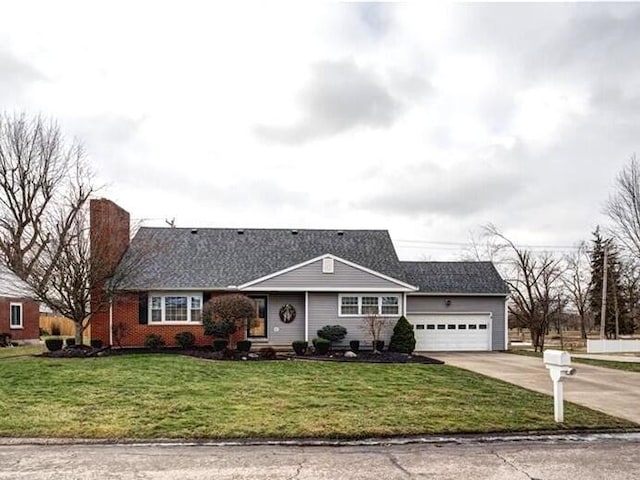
[461,332]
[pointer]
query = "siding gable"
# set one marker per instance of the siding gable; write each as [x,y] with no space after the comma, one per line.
[346,276]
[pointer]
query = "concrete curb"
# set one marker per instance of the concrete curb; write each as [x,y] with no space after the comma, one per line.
[462,439]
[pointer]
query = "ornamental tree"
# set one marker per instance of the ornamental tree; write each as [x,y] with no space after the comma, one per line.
[403,339]
[224,315]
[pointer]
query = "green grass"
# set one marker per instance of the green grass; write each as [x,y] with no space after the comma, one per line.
[626,366]
[152,396]
[7,352]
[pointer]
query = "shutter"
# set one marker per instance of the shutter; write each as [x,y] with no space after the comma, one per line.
[206,296]
[143,308]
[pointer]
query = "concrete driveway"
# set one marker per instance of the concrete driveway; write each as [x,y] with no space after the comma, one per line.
[610,391]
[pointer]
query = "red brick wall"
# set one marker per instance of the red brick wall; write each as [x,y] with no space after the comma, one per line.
[30,319]
[125,310]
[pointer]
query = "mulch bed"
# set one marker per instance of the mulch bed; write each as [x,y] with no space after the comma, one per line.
[233,355]
[370,357]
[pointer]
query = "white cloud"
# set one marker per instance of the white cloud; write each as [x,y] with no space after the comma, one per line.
[453,114]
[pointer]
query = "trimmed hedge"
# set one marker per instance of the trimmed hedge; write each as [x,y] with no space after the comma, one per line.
[333,333]
[54,344]
[220,344]
[322,345]
[244,345]
[300,347]
[354,345]
[152,341]
[185,339]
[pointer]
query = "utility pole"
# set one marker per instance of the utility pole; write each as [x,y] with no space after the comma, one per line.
[603,311]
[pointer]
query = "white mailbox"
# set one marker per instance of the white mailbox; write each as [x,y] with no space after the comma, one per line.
[558,363]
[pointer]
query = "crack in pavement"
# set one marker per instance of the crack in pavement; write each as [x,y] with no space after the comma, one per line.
[396,463]
[298,470]
[514,466]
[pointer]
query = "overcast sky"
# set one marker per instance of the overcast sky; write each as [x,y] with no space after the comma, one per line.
[428,122]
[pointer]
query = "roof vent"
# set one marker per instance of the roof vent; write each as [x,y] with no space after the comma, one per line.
[240,231]
[194,230]
[340,233]
[294,232]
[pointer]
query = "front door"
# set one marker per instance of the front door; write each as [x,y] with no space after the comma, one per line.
[258,327]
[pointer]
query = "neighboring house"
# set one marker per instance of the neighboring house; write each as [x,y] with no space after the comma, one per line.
[19,313]
[325,276]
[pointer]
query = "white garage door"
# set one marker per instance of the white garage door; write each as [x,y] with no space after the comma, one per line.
[452,332]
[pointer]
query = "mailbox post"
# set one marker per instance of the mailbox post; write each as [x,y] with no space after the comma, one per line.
[558,363]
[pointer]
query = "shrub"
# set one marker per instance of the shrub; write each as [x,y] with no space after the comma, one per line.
[267,353]
[244,345]
[5,339]
[185,339]
[333,333]
[300,347]
[378,345]
[70,342]
[153,340]
[44,332]
[354,345]
[220,344]
[53,344]
[403,339]
[119,331]
[224,315]
[97,343]
[55,329]
[220,328]
[322,345]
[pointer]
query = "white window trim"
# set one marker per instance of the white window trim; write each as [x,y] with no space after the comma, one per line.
[16,327]
[360,295]
[162,296]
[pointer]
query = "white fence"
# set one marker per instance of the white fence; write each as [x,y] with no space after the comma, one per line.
[611,346]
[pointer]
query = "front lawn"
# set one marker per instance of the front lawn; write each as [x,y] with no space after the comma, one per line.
[6,352]
[151,396]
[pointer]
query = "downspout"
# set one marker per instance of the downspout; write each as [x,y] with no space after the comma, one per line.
[506,323]
[111,321]
[306,316]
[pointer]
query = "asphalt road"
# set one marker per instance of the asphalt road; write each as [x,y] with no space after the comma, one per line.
[606,460]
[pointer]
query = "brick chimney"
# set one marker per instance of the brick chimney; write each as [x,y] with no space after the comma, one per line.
[109,233]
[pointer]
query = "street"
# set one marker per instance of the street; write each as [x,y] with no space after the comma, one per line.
[584,460]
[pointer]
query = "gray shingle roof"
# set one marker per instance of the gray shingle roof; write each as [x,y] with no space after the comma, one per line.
[217,257]
[12,286]
[455,277]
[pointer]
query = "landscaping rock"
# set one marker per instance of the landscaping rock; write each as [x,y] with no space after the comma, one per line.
[350,354]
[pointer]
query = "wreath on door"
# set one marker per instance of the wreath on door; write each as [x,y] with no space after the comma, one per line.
[287,313]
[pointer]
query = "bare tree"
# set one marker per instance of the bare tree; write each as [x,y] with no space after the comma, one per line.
[374,324]
[45,185]
[623,207]
[533,281]
[577,282]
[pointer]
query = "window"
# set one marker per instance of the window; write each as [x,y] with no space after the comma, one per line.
[472,326]
[258,327]
[388,305]
[349,306]
[440,326]
[196,309]
[369,306]
[482,327]
[420,327]
[175,308]
[16,315]
[462,326]
[451,326]
[431,326]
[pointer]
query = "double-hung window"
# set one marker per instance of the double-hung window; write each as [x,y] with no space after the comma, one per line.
[175,308]
[15,312]
[362,305]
